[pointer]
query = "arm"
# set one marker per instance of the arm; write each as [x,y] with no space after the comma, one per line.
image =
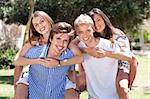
[77,59]
[18,68]
[75,41]
[20,60]
[119,55]
[100,53]
[73,76]
[95,52]
[23,61]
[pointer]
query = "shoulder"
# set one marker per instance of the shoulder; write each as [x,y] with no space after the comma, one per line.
[119,35]
[81,45]
[108,45]
[25,48]
[75,41]
[74,48]
[118,31]
[105,41]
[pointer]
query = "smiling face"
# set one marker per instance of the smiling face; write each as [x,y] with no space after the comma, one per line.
[41,24]
[99,23]
[60,42]
[85,33]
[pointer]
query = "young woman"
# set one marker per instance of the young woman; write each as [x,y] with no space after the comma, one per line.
[38,35]
[40,28]
[127,70]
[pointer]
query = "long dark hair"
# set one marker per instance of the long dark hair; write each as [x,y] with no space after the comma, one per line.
[108,31]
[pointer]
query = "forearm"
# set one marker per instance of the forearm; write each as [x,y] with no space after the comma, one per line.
[71,61]
[24,61]
[119,55]
[84,50]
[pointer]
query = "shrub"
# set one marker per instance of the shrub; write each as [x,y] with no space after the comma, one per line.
[6,58]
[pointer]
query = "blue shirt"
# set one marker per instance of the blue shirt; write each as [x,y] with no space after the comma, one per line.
[47,83]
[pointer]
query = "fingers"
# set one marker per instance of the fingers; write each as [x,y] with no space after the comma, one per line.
[49,62]
[100,54]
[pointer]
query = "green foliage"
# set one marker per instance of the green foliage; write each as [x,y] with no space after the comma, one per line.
[19,12]
[147,37]
[6,58]
[4,9]
[125,14]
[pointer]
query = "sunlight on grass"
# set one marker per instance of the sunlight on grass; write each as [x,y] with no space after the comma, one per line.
[141,86]
[6,90]
[142,80]
[84,95]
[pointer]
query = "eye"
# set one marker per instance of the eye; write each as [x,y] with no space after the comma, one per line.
[98,20]
[66,41]
[58,38]
[80,32]
[42,20]
[88,30]
[36,25]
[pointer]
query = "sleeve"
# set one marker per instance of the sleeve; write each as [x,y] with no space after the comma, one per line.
[115,47]
[72,68]
[81,45]
[27,55]
[109,46]
[123,42]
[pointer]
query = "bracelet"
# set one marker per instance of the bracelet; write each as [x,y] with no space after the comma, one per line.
[59,63]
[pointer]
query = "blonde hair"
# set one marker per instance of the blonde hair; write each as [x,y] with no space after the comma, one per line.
[83,19]
[44,15]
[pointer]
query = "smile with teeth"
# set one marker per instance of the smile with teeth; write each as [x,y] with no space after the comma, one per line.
[42,29]
[85,38]
[59,48]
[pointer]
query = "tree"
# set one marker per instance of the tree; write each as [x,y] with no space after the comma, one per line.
[125,14]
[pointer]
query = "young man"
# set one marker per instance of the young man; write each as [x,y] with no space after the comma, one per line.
[46,80]
[100,72]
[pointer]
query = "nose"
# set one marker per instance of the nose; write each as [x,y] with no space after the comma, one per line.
[40,25]
[60,43]
[96,25]
[84,34]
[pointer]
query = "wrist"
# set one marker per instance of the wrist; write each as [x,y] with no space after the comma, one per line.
[108,53]
[35,61]
[59,63]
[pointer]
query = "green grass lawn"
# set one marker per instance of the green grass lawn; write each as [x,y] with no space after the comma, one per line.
[6,84]
[141,86]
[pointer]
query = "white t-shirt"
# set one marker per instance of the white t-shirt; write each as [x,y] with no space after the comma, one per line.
[101,72]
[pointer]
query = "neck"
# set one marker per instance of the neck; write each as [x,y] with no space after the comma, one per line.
[93,42]
[102,33]
[53,53]
[45,38]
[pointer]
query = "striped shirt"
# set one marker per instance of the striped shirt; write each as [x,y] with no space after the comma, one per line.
[47,83]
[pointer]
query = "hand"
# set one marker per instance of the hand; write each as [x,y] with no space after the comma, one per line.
[49,62]
[96,52]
